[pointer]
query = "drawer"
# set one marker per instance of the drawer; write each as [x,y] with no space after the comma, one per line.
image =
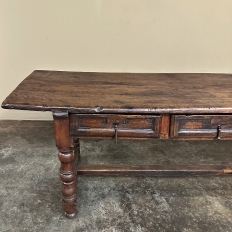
[201,126]
[112,126]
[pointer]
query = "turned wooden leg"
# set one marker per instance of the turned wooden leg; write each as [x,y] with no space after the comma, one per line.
[68,159]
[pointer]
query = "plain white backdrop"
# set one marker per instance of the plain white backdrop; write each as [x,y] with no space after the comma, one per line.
[111,36]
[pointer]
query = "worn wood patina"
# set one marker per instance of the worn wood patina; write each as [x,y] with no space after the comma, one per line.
[127,106]
[147,93]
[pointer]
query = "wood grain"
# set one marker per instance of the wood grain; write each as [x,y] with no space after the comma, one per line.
[201,127]
[138,105]
[153,170]
[68,155]
[145,93]
[165,127]
[103,125]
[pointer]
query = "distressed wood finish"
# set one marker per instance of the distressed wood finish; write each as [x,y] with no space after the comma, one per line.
[202,127]
[127,106]
[68,159]
[133,93]
[105,125]
[153,170]
[165,126]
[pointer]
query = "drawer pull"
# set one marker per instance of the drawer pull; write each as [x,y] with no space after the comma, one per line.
[219,132]
[116,132]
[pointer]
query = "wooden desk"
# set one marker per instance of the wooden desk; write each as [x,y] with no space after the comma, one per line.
[127,106]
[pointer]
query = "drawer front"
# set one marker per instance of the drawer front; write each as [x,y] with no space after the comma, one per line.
[201,127]
[105,125]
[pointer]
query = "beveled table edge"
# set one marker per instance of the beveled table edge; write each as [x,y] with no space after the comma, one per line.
[99,109]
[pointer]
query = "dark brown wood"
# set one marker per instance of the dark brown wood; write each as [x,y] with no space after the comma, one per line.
[201,127]
[104,125]
[68,159]
[153,170]
[165,126]
[127,106]
[128,93]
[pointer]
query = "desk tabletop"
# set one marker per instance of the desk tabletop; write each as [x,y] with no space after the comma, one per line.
[147,93]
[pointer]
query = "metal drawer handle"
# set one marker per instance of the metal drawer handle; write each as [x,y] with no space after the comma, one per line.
[219,132]
[116,132]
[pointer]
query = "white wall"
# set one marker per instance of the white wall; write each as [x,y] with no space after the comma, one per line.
[111,35]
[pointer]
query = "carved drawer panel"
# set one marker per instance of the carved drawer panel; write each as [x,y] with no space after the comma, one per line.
[201,126]
[115,126]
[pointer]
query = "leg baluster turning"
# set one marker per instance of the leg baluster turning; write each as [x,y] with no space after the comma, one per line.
[69,184]
[68,158]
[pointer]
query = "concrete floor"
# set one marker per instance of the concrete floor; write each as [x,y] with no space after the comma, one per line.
[30,198]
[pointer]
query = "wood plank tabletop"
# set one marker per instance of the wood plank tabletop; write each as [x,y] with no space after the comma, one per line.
[147,93]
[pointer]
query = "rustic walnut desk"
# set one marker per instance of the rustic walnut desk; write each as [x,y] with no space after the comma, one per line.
[127,106]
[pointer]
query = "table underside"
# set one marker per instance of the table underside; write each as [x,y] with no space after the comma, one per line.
[69,128]
[178,127]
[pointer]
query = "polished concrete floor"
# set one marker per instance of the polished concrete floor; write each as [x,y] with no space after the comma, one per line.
[30,198]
